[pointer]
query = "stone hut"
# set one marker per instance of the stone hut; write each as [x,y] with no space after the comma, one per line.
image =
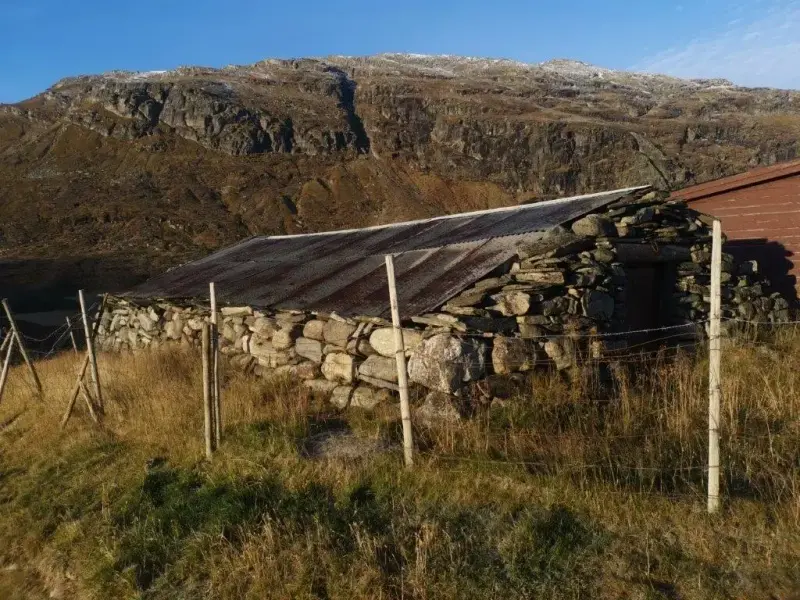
[484,296]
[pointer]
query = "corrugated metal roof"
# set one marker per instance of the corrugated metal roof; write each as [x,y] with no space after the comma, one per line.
[344,272]
[739,181]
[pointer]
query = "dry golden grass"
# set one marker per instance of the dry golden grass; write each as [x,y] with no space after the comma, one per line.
[585,486]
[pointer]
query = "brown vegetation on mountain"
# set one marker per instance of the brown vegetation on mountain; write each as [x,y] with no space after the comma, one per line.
[138,172]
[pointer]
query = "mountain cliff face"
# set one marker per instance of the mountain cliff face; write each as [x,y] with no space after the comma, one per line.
[140,171]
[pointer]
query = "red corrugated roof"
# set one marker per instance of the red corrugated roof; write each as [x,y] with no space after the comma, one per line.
[742,180]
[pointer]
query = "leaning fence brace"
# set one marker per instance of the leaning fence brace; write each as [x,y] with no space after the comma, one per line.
[12,337]
[80,387]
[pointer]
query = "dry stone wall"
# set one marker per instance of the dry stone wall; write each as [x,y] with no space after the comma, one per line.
[551,305]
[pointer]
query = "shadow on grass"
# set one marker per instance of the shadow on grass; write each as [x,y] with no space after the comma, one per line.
[538,548]
[155,522]
[160,524]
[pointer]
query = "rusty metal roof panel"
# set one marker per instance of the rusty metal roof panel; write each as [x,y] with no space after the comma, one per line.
[344,272]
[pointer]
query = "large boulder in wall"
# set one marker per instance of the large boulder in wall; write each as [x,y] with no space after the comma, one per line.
[444,362]
[382,341]
[379,367]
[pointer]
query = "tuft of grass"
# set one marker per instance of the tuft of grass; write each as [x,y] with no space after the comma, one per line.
[573,489]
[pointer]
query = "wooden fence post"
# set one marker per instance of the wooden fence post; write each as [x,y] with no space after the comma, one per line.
[208,408]
[90,350]
[402,372]
[215,383]
[715,350]
[21,345]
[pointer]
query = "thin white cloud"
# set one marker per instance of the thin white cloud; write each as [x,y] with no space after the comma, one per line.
[763,52]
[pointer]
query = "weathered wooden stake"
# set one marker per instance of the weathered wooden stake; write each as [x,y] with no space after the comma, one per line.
[8,346]
[72,336]
[402,372]
[21,345]
[79,385]
[87,330]
[208,405]
[715,350]
[215,366]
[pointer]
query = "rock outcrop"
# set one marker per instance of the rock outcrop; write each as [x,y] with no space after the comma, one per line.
[143,171]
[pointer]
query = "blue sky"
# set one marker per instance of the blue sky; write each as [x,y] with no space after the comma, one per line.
[752,42]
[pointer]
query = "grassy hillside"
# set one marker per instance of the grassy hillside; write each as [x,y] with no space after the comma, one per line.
[565,493]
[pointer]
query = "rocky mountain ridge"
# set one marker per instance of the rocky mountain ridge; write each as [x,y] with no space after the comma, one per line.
[151,169]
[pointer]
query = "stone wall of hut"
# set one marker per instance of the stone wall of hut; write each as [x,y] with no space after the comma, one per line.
[549,306]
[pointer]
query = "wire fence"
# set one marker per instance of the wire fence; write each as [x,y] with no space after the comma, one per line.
[639,422]
[58,339]
[637,426]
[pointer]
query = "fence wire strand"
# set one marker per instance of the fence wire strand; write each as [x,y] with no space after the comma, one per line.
[670,338]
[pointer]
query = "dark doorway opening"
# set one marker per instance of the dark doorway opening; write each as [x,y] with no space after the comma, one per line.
[648,292]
